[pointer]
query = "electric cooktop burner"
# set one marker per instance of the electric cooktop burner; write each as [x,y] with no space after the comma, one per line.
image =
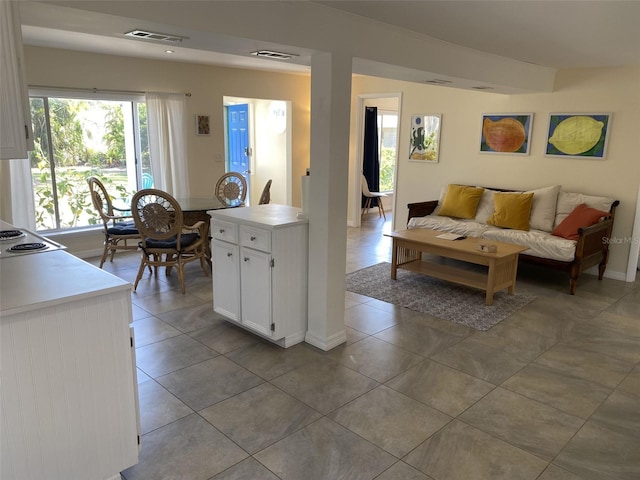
[11,234]
[21,247]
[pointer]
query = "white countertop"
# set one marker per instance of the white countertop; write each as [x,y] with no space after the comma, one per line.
[39,280]
[270,215]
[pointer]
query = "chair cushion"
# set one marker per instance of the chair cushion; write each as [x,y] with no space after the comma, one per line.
[124,228]
[185,240]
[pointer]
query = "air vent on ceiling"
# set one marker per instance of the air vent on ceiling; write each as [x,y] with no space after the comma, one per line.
[482,87]
[438,81]
[273,54]
[160,37]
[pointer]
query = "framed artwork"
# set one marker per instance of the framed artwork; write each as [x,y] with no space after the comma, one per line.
[425,138]
[506,133]
[202,125]
[578,135]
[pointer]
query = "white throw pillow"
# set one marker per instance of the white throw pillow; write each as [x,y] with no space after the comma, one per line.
[543,208]
[567,201]
[485,207]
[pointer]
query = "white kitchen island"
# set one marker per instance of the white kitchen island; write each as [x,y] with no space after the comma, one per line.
[260,272]
[69,408]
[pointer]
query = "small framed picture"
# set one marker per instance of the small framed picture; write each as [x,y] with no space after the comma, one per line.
[424,143]
[508,133]
[202,125]
[578,135]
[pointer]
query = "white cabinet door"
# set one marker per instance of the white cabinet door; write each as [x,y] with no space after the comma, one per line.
[226,279]
[255,278]
[15,116]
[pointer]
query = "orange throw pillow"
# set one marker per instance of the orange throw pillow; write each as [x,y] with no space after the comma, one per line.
[581,216]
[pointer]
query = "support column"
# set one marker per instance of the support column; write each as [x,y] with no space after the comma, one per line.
[330,111]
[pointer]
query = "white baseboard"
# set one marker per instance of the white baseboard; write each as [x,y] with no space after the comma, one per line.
[326,344]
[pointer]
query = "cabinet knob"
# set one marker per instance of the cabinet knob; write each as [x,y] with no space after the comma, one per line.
[246,259]
[229,254]
[253,239]
[222,230]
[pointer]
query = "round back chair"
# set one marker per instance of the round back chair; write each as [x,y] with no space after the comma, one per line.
[166,241]
[231,188]
[266,194]
[118,226]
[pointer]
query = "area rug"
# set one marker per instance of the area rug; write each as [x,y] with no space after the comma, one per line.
[455,303]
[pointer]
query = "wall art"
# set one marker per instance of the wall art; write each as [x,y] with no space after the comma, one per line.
[425,138]
[506,133]
[202,125]
[578,135]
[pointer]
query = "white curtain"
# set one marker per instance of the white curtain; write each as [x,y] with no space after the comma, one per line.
[16,198]
[166,121]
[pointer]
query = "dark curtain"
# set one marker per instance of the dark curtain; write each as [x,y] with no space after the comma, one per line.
[371,156]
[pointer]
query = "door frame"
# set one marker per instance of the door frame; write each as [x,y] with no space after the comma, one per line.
[366,100]
[281,190]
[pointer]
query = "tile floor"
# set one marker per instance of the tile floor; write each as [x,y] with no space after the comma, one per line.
[551,393]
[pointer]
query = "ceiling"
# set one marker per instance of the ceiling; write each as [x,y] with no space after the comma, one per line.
[550,33]
[557,34]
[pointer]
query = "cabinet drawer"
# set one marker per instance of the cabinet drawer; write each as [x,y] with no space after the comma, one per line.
[257,238]
[223,230]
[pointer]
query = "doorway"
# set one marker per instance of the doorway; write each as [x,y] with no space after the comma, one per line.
[388,106]
[261,151]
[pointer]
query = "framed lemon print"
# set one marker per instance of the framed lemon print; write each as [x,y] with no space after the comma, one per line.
[578,135]
[425,138]
[508,133]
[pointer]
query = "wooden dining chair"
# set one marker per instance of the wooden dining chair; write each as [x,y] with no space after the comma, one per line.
[118,225]
[165,240]
[265,198]
[231,188]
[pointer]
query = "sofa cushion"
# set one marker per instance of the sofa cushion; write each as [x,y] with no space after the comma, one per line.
[485,207]
[541,244]
[461,201]
[511,210]
[581,216]
[543,208]
[469,228]
[568,201]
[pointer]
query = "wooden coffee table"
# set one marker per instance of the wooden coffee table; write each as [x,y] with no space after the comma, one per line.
[408,246]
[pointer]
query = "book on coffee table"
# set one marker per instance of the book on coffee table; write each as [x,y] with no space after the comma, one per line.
[451,236]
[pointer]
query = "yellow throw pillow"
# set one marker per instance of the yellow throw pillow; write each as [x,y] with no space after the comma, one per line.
[461,201]
[511,210]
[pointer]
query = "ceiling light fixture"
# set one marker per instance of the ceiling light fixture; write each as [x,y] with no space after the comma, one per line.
[482,87]
[438,81]
[274,54]
[169,51]
[160,37]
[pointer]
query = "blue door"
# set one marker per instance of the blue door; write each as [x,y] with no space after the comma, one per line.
[238,141]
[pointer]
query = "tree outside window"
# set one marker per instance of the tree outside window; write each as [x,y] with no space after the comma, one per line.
[78,138]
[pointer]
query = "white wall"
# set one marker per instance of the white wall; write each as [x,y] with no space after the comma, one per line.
[614,90]
[270,155]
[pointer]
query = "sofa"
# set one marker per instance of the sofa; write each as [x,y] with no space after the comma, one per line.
[563,230]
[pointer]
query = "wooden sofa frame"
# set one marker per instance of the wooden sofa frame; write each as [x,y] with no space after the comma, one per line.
[592,247]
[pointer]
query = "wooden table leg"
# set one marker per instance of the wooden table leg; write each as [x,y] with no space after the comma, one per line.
[514,268]
[394,259]
[491,282]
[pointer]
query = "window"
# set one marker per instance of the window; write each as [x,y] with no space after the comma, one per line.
[79,136]
[387,137]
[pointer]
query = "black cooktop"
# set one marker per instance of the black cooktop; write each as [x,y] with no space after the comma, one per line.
[22,247]
[11,234]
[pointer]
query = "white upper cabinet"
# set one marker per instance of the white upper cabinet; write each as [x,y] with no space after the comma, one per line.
[16,137]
